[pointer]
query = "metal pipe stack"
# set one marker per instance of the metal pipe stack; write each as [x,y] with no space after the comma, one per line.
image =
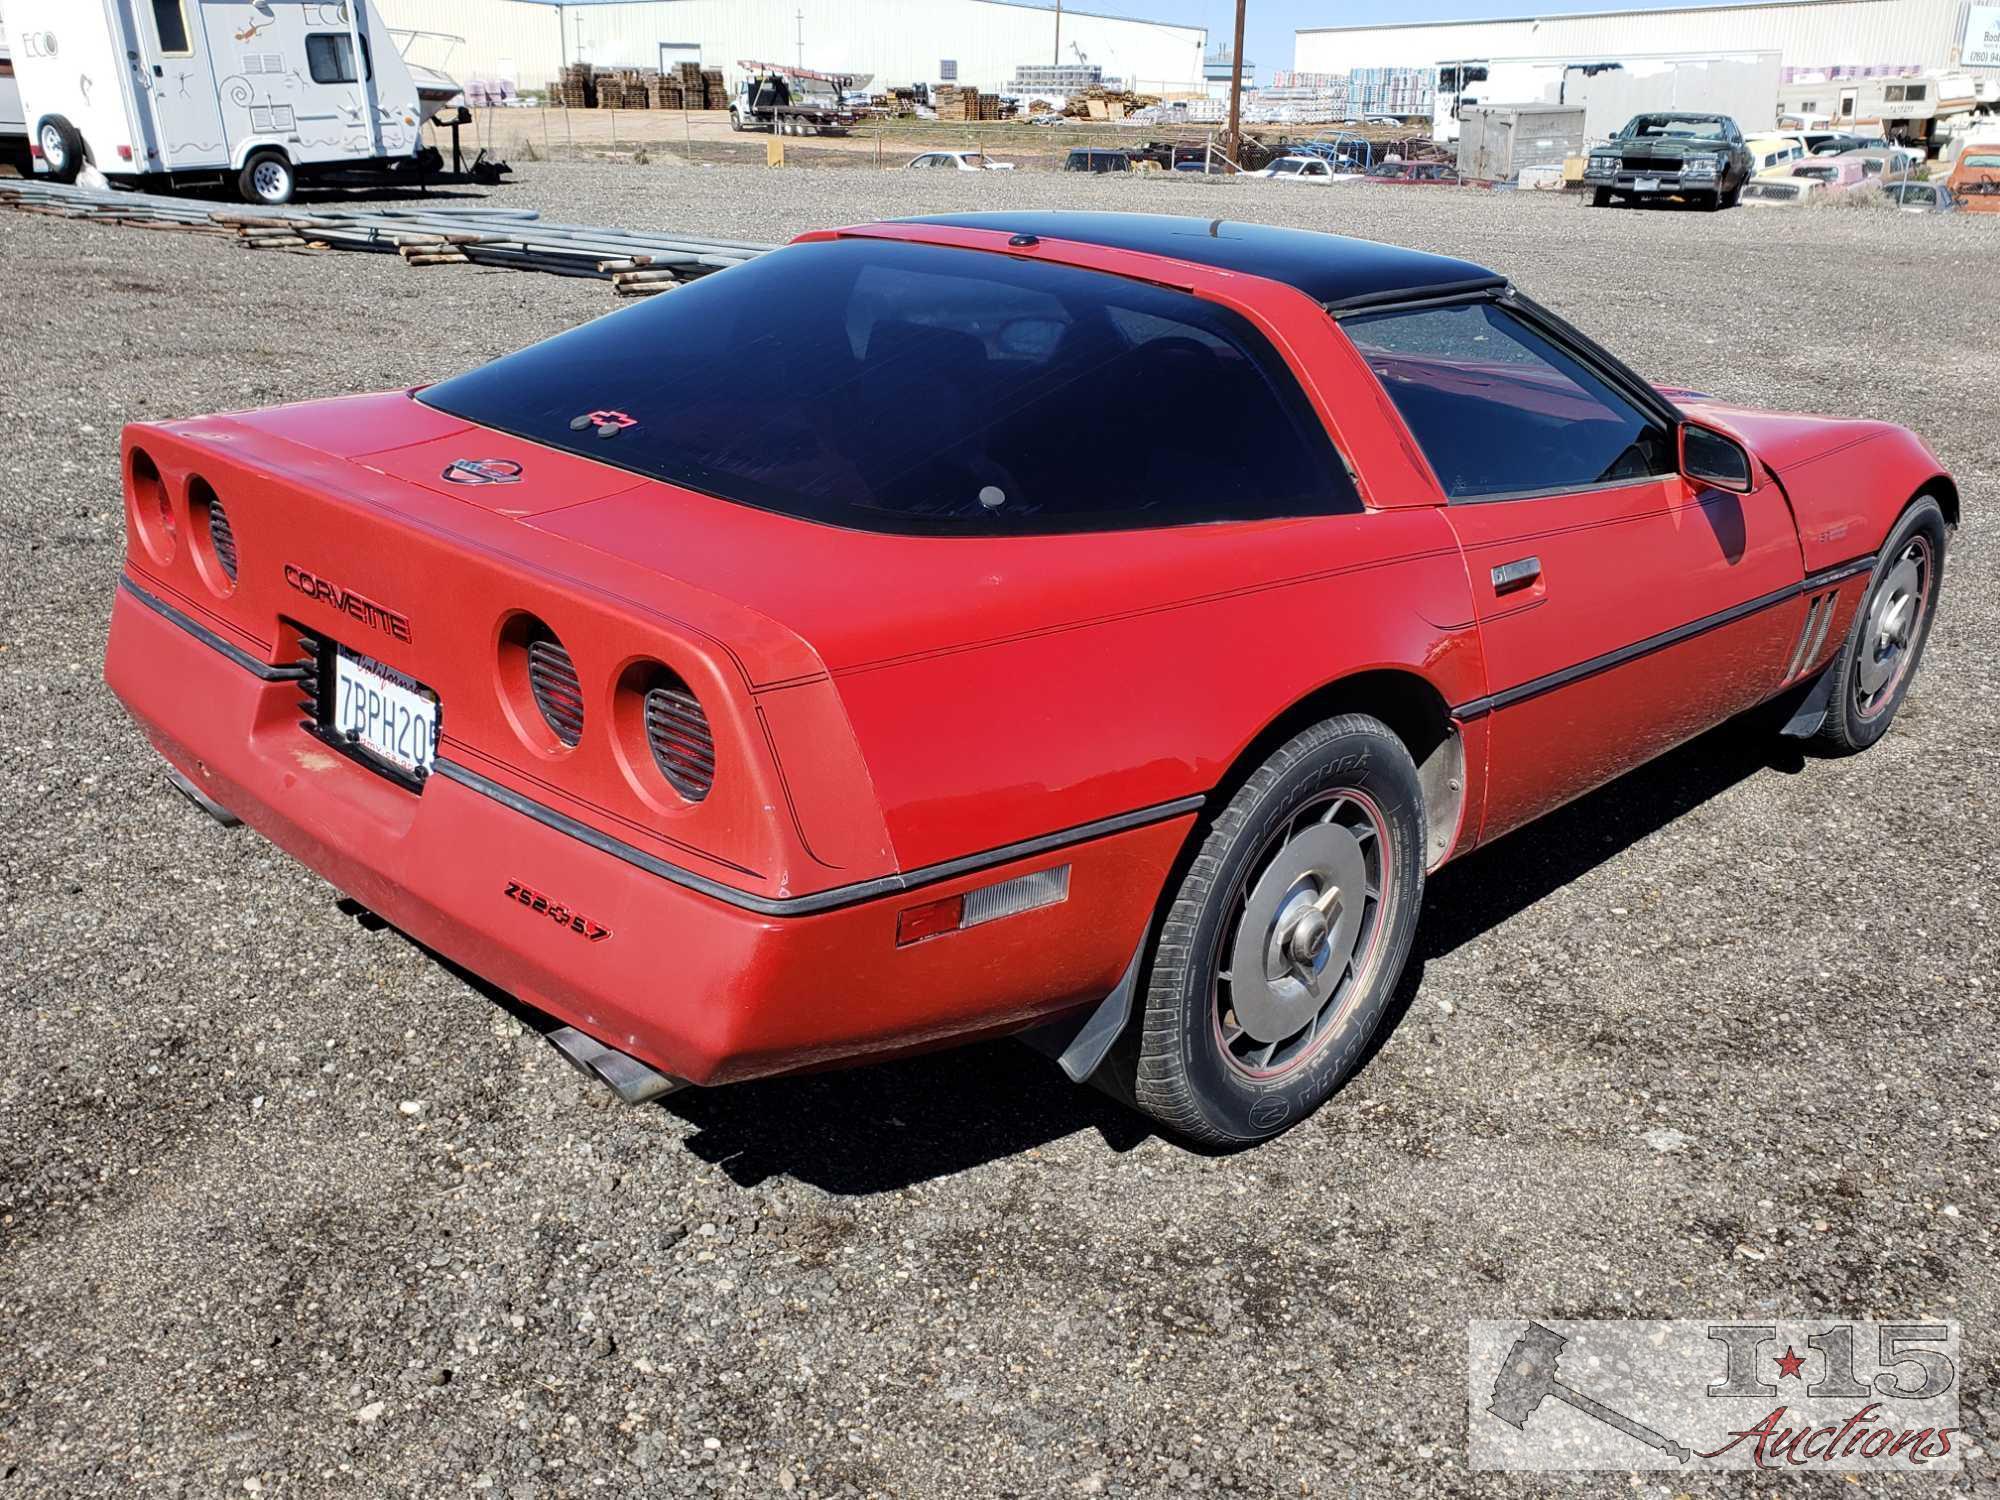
[635,263]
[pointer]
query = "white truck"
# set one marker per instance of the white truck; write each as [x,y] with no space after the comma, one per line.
[260,93]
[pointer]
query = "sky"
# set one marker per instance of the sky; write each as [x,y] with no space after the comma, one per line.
[1269,24]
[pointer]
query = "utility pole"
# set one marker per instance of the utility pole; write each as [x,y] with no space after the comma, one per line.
[1057,59]
[1236,92]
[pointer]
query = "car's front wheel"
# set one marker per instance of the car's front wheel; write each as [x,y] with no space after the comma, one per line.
[1886,640]
[1600,197]
[1278,958]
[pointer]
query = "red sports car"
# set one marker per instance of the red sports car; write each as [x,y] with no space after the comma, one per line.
[1097,624]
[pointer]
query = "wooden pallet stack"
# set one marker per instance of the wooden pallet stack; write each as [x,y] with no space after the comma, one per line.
[715,94]
[575,88]
[955,103]
[665,92]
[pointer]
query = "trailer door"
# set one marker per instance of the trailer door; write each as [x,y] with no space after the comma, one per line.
[181,83]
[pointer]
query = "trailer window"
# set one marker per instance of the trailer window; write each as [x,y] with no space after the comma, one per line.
[170,25]
[330,56]
[919,389]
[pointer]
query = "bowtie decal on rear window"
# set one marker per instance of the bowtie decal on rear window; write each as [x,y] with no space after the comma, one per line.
[608,423]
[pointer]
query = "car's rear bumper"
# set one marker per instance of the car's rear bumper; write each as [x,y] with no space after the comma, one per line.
[692,981]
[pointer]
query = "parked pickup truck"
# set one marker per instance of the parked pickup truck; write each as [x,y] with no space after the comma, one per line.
[1695,157]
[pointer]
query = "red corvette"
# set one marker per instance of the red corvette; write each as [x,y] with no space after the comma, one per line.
[816,663]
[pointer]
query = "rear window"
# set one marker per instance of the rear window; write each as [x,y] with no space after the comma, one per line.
[898,387]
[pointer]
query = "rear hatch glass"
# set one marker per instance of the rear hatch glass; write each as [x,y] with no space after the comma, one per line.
[897,387]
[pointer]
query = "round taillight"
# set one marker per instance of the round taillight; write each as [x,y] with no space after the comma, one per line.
[677,734]
[211,536]
[152,507]
[552,681]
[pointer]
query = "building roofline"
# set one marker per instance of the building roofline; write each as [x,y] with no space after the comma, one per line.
[1068,10]
[1537,18]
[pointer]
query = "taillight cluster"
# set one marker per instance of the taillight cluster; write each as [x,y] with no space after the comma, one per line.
[162,523]
[657,725]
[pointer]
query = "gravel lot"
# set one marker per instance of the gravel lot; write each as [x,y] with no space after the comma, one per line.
[288,1207]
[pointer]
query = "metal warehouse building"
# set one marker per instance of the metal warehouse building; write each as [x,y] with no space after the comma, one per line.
[977,42]
[1809,35]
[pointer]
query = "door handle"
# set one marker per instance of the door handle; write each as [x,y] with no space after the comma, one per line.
[1518,574]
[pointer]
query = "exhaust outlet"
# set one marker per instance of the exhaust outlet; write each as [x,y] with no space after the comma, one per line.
[202,800]
[627,1077]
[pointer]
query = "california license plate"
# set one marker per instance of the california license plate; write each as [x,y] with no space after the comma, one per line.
[1646,185]
[377,709]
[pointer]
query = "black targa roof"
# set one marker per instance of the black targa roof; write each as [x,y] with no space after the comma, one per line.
[1330,268]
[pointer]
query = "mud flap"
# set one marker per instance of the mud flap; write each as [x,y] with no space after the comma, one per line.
[1079,1043]
[1811,712]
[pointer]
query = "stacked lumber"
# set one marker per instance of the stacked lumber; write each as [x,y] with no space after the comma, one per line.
[714,92]
[1100,103]
[637,264]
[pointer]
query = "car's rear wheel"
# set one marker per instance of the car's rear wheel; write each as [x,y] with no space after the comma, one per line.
[1886,640]
[1278,958]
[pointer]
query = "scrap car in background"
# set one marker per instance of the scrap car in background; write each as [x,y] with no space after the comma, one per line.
[747,737]
[1781,190]
[1975,179]
[958,161]
[1834,176]
[1316,171]
[1434,173]
[1699,158]
[1921,197]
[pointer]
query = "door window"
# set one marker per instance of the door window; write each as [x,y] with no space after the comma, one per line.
[170,25]
[1500,411]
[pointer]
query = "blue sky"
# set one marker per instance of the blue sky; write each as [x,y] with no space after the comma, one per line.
[1269,24]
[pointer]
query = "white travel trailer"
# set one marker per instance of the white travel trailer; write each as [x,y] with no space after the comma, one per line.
[165,92]
[13,123]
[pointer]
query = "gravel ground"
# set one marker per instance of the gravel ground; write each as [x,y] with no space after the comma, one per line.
[286,1206]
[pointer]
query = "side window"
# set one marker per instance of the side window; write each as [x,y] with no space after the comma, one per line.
[170,25]
[1501,411]
[330,57]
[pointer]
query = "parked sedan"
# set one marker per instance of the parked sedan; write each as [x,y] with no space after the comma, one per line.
[1922,197]
[1780,190]
[959,161]
[742,737]
[1698,158]
[1316,170]
[1836,174]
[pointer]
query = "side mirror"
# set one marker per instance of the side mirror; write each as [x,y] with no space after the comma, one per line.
[1715,459]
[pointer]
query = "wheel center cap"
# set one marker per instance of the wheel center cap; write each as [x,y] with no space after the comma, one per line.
[1300,927]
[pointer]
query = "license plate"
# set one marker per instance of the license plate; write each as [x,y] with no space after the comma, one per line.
[379,710]
[1646,185]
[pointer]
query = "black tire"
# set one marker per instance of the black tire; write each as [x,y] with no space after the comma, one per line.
[1728,199]
[1863,701]
[736,122]
[267,178]
[62,148]
[1600,197]
[1276,846]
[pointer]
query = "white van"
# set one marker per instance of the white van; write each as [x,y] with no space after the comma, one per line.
[165,92]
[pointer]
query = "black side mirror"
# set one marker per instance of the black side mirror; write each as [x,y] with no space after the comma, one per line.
[1715,459]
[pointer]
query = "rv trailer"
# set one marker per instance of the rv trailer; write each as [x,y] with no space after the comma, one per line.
[261,93]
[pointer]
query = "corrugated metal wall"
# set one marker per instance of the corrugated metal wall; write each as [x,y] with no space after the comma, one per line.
[1813,34]
[899,41]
